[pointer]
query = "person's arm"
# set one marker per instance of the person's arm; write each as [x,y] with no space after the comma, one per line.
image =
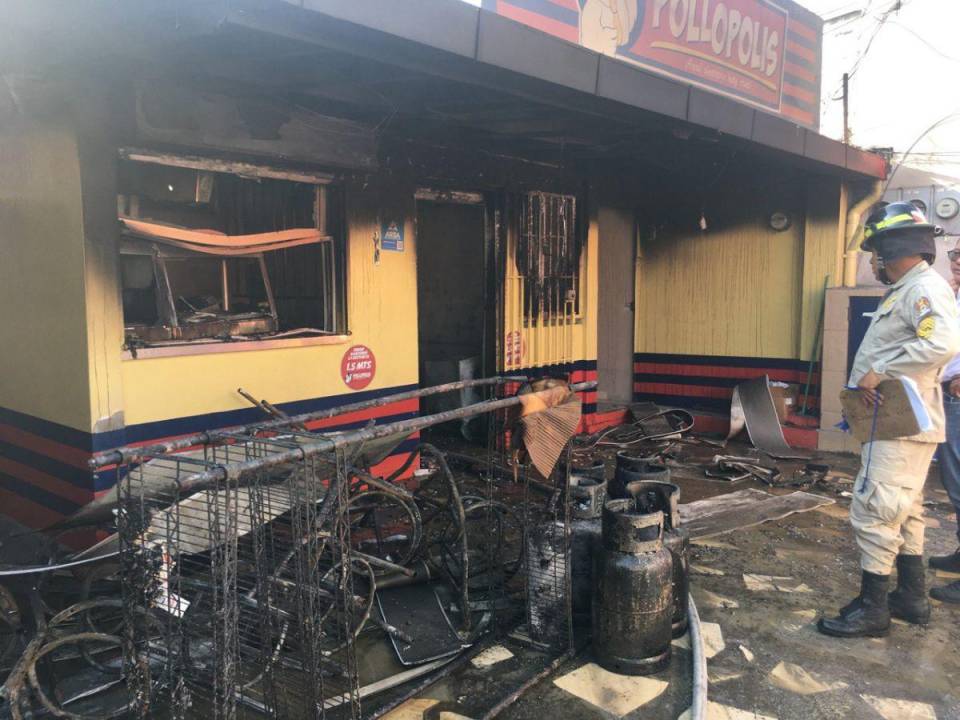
[936,337]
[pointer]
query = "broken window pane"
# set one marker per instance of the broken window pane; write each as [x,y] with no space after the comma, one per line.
[212,255]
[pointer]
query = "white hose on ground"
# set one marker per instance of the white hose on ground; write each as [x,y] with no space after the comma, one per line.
[698,708]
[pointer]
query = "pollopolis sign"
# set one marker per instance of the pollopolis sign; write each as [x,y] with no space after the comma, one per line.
[738,47]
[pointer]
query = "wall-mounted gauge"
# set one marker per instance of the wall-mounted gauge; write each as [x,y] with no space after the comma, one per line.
[948,208]
[919,205]
[780,221]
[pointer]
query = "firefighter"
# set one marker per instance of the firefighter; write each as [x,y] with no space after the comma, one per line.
[914,333]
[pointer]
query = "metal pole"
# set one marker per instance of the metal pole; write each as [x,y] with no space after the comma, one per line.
[846,108]
[134,454]
[212,477]
[225,281]
[815,353]
[698,708]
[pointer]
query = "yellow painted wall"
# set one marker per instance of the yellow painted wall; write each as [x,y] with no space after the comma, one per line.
[381,307]
[826,214]
[733,290]
[552,343]
[43,357]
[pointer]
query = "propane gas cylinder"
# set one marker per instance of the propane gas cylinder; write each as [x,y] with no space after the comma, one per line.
[633,596]
[664,497]
[635,468]
[587,496]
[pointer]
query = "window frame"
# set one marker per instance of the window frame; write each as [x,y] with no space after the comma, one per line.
[332,287]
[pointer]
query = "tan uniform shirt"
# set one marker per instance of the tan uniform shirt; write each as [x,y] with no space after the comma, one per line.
[913,333]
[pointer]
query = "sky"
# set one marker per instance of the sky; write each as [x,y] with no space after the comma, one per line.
[904,67]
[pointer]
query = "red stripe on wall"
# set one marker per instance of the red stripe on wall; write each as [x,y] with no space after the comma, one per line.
[568,4]
[800,93]
[801,51]
[58,451]
[800,29]
[396,408]
[548,25]
[39,479]
[800,72]
[720,371]
[26,512]
[805,118]
[704,391]
[37,517]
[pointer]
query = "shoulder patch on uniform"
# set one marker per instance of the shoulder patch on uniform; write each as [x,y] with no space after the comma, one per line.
[926,327]
[922,306]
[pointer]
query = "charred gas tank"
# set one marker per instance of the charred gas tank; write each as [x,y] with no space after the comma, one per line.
[664,497]
[588,492]
[633,598]
[546,568]
[631,469]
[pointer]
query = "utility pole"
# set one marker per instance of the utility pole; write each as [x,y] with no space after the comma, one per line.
[846,108]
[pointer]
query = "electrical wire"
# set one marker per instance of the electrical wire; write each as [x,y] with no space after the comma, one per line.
[896,7]
[937,51]
[921,136]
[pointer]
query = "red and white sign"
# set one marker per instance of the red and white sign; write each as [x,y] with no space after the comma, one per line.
[513,349]
[358,367]
[737,47]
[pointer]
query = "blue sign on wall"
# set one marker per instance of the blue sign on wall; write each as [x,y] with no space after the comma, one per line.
[391,235]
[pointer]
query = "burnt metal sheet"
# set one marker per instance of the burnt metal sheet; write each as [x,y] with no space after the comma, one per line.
[522,49]
[452,26]
[864,162]
[778,133]
[417,612]
[752,407]
[720,113]
[633,86]
[744,509]
[823,149]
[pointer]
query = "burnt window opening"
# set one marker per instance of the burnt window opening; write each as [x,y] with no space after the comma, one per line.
[215,256]
[548,256]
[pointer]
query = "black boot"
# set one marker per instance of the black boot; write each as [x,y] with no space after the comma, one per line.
[950,563]
[909,601]
[948,593]
[871,618]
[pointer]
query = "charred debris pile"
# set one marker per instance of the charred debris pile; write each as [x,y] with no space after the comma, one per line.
[269,570]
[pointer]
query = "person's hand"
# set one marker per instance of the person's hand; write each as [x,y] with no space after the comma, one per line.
[954,388]
[868,388]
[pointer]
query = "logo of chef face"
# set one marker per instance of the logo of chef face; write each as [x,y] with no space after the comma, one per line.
[606,25]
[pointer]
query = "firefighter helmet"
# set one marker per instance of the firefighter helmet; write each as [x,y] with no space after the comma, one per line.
[899,229]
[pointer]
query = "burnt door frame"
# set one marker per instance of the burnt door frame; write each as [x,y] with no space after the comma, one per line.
[432,195]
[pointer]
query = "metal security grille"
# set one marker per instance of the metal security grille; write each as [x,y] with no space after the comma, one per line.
[541,294]
[548,256]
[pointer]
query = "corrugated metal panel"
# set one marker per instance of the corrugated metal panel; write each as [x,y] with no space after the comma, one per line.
[731,290]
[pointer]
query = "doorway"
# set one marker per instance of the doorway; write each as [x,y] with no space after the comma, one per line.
[452,313]
[615,316]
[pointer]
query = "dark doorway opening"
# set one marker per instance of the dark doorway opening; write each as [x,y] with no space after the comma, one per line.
[453,316]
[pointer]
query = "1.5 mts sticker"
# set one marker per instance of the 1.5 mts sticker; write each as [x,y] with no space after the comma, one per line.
[358,367]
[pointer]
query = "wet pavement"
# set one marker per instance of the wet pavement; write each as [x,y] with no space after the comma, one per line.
[766,659]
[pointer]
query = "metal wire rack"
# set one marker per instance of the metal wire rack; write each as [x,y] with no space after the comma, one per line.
[250,566]
[250,590]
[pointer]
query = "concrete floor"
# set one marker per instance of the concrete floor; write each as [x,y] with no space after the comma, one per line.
[767,660]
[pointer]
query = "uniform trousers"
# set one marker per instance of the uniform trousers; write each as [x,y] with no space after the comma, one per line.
[887,508]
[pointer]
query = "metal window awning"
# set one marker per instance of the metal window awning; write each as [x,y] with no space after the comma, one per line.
[210,242]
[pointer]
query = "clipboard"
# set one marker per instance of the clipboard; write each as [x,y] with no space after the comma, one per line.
[902,413]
